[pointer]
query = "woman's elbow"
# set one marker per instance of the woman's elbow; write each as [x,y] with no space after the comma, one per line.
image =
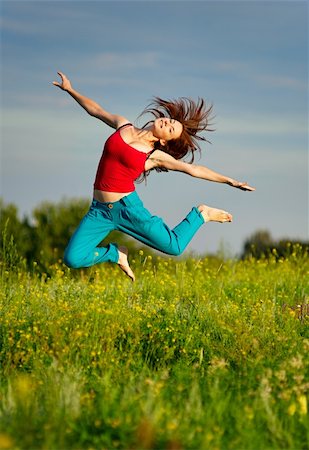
[192,170]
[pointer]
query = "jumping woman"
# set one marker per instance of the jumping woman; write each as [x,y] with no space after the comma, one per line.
[130,153]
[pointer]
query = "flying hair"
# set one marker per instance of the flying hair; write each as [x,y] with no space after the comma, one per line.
[195,118]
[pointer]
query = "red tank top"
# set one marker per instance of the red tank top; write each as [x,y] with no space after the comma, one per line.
[120,165]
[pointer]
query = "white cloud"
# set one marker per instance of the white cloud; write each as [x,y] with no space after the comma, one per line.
[261,124]
[126,60]
[231,66]
[275,81]
[17,26]
[260,75]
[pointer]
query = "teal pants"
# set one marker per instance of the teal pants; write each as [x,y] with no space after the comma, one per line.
[129,216]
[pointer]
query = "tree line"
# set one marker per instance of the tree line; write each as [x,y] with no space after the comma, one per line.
[262,245]
[43,236]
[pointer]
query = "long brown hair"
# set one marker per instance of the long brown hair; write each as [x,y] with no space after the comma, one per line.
[194,117]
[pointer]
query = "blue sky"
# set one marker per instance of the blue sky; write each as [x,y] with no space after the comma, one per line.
[248,58]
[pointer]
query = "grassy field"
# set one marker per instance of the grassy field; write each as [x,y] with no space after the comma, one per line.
[197,354]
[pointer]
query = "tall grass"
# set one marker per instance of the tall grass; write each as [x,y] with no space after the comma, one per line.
[197,354]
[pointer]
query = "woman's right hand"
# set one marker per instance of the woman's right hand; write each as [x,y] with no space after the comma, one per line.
[240,185]
[65,84]
[92,108]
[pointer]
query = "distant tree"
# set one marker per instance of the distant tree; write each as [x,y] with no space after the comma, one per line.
[286,247]
[44,237]
[257,244]
[261,245]
[15,233]
[53,225]
[56,222]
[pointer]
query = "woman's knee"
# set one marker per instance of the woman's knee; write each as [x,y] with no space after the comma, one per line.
[72,260]
[174,250]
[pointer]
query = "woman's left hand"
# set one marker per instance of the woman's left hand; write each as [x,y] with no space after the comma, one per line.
[65,84]
[242,186]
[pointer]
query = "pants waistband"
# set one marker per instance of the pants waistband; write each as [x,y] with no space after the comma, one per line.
[128,200]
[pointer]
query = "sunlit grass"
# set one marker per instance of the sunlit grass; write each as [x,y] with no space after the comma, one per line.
[197,354]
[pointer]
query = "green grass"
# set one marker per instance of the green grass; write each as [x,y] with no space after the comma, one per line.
[197,354]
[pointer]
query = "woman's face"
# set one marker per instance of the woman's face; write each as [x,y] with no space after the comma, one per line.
[167,129]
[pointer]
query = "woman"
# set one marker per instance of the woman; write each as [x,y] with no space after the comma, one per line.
[130,153]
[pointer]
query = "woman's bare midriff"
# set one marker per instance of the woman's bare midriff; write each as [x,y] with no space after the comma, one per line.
[104,196]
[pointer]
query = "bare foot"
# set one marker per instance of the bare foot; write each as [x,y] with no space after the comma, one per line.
[123,262]
[214,215]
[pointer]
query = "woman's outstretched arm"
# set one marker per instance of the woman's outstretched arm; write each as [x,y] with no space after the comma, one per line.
[92,108]
[210,175]
[163,160]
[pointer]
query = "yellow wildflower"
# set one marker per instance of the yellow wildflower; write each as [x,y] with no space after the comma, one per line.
[292,409]
[5,441]
[303,408]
